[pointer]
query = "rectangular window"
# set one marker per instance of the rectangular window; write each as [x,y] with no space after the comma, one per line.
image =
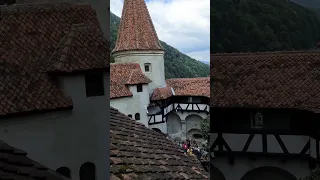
[139,88]
[147,67]
[94,84]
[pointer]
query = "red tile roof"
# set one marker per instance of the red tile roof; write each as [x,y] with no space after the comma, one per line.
[136,30]
[15,165]
[82,49]
[266,80]
[183,87]
[161,93]
[137,152]
[124,74]
[29,36]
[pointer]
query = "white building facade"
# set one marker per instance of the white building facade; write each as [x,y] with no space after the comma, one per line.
[156,103]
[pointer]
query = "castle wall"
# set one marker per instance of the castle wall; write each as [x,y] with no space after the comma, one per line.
[135,104]
[66,138]
[155,58]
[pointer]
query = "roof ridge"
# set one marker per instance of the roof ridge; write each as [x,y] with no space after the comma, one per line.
[263,53]
[32,7]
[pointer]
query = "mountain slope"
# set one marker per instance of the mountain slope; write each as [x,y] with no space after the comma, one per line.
[260,25]
[177,64]
[308,3]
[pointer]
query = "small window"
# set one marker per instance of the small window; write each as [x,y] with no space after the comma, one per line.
[137,116]
[130,115]
[190,99]
[139,88]
[147,67]
[258,120]
[94,84]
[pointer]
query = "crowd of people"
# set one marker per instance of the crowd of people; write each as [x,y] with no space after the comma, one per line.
[192,148]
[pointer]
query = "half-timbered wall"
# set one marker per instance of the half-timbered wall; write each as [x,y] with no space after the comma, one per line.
[264,168]
[288,137]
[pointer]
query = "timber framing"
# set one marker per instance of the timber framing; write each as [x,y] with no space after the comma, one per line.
[152,119]
[308,150]
[177,105]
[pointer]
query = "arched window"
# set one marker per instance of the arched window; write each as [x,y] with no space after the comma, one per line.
[64,171]
[130,115]
[258,120]
[137,116]
[88,171]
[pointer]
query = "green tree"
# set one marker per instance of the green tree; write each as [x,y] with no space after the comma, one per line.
[177,64]
[205,131]
[259,25]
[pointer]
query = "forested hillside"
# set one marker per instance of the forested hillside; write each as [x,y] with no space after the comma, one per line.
[308,3]
[177,64]
[262,25]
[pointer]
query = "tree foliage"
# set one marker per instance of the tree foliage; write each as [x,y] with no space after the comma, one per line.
[177,64]
[205,130]
[260,25]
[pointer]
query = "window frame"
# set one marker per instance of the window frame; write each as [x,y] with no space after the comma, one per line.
[254,122]
[135,117]
[149,67]
[93,87]
[139,88]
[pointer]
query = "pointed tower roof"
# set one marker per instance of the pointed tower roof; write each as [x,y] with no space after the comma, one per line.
[136,30]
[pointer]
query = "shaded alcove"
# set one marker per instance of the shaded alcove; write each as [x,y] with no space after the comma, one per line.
[267,173]
[215,173]
[173,123]
[88,171]
[64,171]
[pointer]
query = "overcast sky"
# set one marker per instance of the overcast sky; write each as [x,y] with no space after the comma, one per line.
[183,24]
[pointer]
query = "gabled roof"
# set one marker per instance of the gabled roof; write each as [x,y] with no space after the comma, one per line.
[84,48]
[124,74]
[183,87]
[29,37]
[137,152]
[136,30]
[266,80]
[15,165]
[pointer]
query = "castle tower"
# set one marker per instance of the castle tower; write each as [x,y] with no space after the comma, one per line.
[138,42]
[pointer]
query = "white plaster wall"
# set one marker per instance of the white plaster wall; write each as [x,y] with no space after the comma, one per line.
[298,168]
[313,148]
[293,143]
[161,126]
[155,58]
[185,114]
[134,104]
[69,138]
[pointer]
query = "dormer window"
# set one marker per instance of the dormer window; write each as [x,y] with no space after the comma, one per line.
[94,84]
[257,120]
[139,88]
[147,67]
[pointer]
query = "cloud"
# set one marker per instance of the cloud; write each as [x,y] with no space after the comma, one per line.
[200,55]
[183,24]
